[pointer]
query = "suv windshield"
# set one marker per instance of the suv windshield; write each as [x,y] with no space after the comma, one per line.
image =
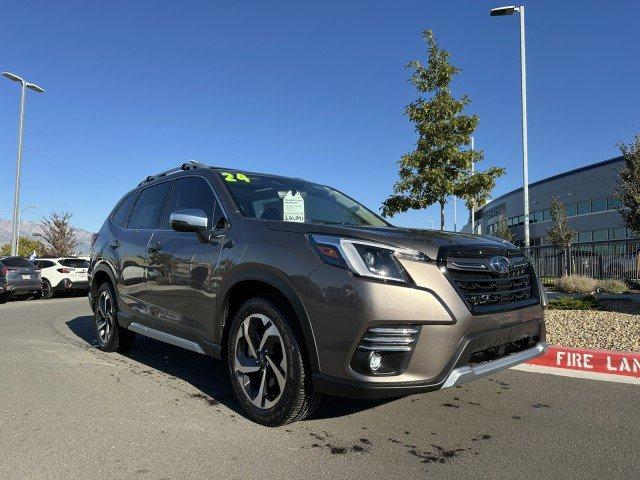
[293,200]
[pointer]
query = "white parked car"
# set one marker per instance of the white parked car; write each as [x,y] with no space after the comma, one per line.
[62,275]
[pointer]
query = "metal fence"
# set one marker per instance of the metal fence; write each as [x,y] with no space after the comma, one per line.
[612,259]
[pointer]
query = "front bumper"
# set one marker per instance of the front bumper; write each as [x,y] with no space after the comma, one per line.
[342,308]
[459,370]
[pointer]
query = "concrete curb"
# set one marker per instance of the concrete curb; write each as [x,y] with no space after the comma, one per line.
[588,360]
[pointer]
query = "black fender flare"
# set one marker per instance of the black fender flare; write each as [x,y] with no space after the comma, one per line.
[278,280]
[104,266]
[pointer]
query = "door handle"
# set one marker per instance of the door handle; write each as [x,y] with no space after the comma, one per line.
[156,247]
[114,244]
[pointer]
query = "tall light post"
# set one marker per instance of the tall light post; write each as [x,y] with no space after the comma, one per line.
[473,206]
[18,228]
[429,220]
[455,214]
[510,10]
[16,196]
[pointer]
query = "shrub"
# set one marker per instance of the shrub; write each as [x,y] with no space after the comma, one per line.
[571,303]
[634,284]
[612,286]
[576,284]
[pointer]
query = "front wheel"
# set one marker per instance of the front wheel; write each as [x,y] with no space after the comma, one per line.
[266,359]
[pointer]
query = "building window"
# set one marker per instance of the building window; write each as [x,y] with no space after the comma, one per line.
[613,203]
[600,235]
[537,216]
[599,205]
[572,209]
[585,237]
[584,207]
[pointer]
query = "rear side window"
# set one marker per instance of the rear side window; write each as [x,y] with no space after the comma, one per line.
[146,213]
[188,193]
[17,262]
[44,263]
[120,216]
[74,263]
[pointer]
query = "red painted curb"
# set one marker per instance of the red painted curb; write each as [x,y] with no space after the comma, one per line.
[587,360]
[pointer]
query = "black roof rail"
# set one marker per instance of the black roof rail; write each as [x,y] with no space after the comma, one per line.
[191,164]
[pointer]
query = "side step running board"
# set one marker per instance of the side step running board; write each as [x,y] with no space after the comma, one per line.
[165,337]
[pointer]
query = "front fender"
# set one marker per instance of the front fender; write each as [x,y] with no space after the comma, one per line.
[278,280]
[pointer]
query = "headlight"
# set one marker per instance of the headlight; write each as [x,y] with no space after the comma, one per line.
[368,259]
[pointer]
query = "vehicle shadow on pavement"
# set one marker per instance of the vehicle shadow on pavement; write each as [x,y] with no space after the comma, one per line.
[206,374]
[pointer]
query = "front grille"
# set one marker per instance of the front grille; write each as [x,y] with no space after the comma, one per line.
[485,289]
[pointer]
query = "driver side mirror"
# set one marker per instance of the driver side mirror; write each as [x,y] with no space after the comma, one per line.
[192,220]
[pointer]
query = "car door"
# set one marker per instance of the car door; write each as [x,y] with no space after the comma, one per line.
[129,248]
[182,282]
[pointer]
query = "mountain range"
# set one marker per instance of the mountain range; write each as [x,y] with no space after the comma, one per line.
[28,228]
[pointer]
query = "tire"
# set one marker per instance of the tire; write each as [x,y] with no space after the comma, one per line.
[270,375]
[47,291]
[110,335]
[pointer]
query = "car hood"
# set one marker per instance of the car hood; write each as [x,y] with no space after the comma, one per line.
[427,241]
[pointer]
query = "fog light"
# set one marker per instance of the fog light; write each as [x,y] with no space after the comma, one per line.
[375,361]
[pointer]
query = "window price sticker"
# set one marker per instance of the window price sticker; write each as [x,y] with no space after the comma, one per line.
[293,207]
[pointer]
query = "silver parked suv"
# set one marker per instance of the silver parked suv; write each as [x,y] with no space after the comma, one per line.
[303,291]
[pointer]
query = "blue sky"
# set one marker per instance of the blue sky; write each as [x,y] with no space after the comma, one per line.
[309,89]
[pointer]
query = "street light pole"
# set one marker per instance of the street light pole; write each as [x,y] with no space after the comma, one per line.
[473,206]
[510,10]
[16,196]
[455,214]
[18,227]
[525,150]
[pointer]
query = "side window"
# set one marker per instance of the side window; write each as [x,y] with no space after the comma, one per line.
[146,213]
[192,192]
[120,216]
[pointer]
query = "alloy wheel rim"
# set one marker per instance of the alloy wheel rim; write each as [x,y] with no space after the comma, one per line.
[105,317]
[45,289]
[260,361]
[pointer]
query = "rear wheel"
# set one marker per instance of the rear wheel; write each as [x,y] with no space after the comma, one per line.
[110,335]
[47,291]
[268,367]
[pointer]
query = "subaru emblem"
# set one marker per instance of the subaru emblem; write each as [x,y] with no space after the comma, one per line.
[499,264]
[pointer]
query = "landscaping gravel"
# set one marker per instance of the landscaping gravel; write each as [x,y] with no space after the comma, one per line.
[616,327]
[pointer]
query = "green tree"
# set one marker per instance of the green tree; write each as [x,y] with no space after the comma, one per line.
[561,234]
[439,166]
[628,188]
[502,229]
[26,247]
[58,235]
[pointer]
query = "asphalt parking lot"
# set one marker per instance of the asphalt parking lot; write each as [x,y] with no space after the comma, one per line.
[68,410]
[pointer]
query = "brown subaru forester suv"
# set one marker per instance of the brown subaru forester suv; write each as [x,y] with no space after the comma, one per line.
[303,291]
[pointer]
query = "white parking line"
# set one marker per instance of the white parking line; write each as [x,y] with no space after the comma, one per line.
[565,372]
